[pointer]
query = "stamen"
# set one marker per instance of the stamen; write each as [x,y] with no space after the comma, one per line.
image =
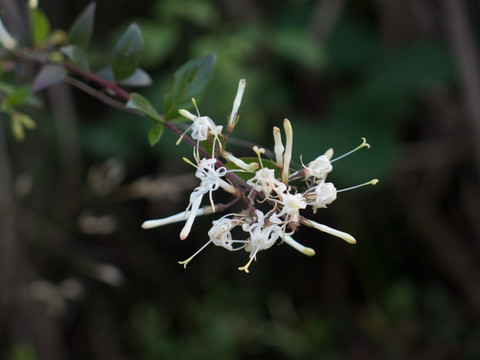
[185,262]
[196,107]
[259,152]
[362,145]
[245,268]
[371,182]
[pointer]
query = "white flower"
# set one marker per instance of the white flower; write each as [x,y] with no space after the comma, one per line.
[318,168]
[324,194]
[211,180]
[201,127]
[263,234]
[220,233]
[264,181]
[291,205]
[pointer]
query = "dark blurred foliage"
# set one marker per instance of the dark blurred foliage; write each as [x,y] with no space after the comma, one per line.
[80,278]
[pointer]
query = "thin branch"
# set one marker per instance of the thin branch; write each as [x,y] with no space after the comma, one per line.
[98,80]
[100,95]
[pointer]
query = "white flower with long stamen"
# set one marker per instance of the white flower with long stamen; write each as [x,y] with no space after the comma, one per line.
[201,127]
[263,234]
[319,168]
[220,233]
[211,180]
[323,195]
[290,205]
[267,183]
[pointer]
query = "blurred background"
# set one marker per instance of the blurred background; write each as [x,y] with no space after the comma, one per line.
[79,278]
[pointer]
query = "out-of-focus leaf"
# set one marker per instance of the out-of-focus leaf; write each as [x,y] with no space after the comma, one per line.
[138,102]
[32,100]
[201,13]
[155,134]
[49,75]
[80,32]
[300,47]
[159,42]
[190,82]
[20,122]
[139,78]
[16,97]
[76,55]
[17,129]
[127,53]
[106,73]
[40,27]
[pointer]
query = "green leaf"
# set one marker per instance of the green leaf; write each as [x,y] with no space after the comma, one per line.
[127,53]
[247,175]
[80,32]
[17,129]
[155,134]
[26,121]
[49,75]
[139,78]
[40,27]
[7,89]
[20,122]
[17,97]
[190,82]
[76,55]
[138,102]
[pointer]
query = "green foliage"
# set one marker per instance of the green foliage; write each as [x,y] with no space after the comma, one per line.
[127,53]
[20,122]
[23,351]
[40,27]
[155,134]
[77,56]
[48,76]
[138,102]
[80,32]
[18,96]
[299,47]
[190,82]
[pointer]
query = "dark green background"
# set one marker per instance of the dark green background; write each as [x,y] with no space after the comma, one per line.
[403,74]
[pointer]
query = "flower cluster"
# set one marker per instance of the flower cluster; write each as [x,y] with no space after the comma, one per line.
[272,196]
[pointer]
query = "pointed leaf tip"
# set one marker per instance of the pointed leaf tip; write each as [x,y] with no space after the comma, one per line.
[155,134]
[190,82]
[80,32]
[127,53]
